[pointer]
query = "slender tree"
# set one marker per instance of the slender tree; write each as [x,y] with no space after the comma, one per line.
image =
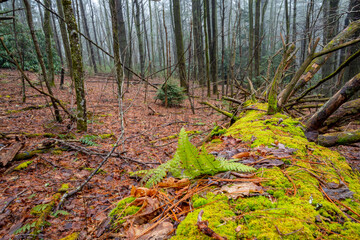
[77,64]
[198,41]
[214,46]
[48,33]
[87,34]
[179,44]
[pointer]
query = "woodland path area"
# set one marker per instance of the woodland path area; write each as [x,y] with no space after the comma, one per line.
[40,180]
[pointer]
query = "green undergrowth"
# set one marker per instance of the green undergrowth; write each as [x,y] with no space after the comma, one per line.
[285,212]
[123,209]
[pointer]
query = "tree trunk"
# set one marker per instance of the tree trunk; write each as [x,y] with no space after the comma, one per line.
[251,38]
[129,55]
[47,33]
[257,38]
[213,46]
[287,22]
[140,41]
[346,92]
[65,39]
[179,44]
[206,31]
[40,57]
[95,34]
[119,71]
[122,34]
[198,41]
[87,34]
[77,65]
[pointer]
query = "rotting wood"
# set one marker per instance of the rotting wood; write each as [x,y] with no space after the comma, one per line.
[9,155]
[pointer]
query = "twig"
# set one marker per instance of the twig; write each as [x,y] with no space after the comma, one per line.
[204,228]
[11,200]
[290,179]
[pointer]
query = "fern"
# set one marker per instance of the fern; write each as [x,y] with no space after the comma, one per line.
[27,227]
[188,162]
[62,212]
[89,140]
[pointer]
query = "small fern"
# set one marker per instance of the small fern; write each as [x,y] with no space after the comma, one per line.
[89,140]
[62,212]
[188,162]
[27,227]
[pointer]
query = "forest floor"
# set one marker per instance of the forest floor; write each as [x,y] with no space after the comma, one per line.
[145,124]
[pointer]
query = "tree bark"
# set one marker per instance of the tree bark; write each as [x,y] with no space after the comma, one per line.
[257,39]
[251,38]
[77,65]
[65,38]
[117,61]
[87,34]
[179,44]
[346,92]
[198,41]
[48,33]
[140,41]
[213,46]
[123,46]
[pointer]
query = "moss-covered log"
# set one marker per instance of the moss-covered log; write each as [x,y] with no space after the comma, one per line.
[347,111]
[342,138]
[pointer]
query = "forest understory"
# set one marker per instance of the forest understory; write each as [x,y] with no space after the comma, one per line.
[55,168]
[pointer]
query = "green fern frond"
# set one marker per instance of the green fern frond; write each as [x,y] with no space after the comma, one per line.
[89,140]
[188,162]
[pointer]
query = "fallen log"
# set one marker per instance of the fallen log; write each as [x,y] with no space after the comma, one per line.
[342,138]
[347,111]
[345,93]
[8,156]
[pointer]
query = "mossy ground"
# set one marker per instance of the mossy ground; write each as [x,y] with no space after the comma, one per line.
[281,213]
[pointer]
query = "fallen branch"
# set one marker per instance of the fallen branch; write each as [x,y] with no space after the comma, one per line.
[220,110]
[232,100]
[11,200]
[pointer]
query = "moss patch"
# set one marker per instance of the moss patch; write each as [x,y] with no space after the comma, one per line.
[216,210]
[122,210]
[23,165]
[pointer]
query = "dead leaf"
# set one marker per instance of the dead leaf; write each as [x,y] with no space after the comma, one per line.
[241,155]
[243,189]
[142,192]
[173,183]
[160,232]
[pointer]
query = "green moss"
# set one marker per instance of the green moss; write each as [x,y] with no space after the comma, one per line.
[217,212]
[57,152]
[72,236]
[123,209]
[64,187]
[216,140]
[106,136]
[23,165]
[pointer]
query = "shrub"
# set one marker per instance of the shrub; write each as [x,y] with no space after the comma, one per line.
[175,94]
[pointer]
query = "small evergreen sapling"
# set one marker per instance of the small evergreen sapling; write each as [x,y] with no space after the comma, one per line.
[175,94]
